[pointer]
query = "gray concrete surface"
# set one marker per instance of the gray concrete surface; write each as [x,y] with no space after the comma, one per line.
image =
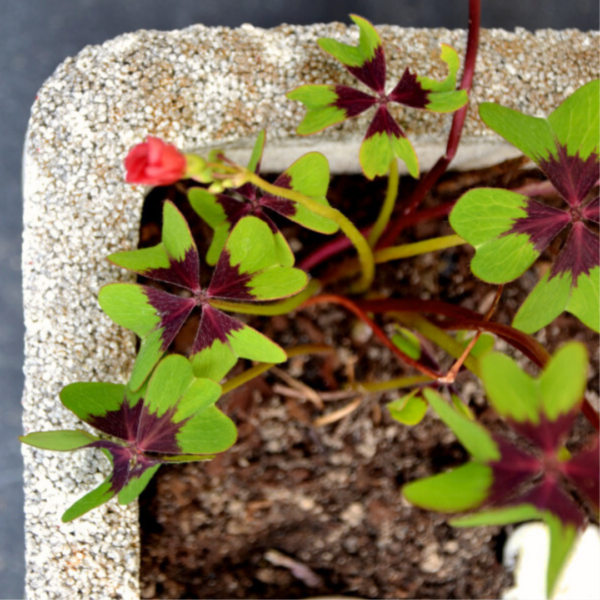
[36,35]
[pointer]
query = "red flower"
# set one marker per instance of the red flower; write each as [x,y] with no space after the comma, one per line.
[154,162]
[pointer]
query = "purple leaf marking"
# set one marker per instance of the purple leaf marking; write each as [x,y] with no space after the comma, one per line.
[185,274]
[121,423]
[172,310]
[128,463]
[283,206]
[234,209]
[141,429]
[514,468]
[214,325]
[372,72]
[583,471]
[572,176]
[352,101]
[579,255]
[592,210]
[542,223]
[409,92]
[546,435]
[158,434]
[383,122]
[228,283]
[548,496]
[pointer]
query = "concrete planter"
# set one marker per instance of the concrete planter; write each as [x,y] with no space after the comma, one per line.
[197,88]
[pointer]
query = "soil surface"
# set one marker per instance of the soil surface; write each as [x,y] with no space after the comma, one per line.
[297,509]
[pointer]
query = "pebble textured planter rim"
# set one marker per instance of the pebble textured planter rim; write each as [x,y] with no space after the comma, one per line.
[198,88]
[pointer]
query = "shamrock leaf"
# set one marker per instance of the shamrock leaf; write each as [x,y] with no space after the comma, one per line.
[309,175]
[247,271]
[520,484]
[510,231]
[330,104]
[174,419]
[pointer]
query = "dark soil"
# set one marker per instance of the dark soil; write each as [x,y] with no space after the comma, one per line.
[295,510]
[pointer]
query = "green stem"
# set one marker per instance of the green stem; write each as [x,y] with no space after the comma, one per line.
[388,205]
[365,254]
[439,337]
[257,370]
[269,310]
[392,384]
[406,250]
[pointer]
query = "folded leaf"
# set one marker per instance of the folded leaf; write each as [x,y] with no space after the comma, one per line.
[62,441]
[470,434]
[463,488]
[367,61]
[408,410]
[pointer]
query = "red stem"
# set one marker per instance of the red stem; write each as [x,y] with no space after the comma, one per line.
[352,307]
[342,243]
[458,121]
[463,318]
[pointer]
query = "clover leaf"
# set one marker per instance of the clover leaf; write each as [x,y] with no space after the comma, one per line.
[173,419]
[514,483]
[309,175]
[246,271]
[510,231]
[330,104]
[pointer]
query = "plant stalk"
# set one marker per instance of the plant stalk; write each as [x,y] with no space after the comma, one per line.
[352,307]
[257,370]
[282,307]
[388,205]
[417,248]
[458,121]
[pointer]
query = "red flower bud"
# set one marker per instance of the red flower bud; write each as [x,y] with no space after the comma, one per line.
[154,162]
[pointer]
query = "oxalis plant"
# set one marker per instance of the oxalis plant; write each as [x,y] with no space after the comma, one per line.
[167,412]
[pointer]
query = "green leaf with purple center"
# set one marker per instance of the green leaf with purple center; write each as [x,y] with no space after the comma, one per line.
[510,231]
[331,104]
[519,484]
[247,270]
[172,419]
[309,175]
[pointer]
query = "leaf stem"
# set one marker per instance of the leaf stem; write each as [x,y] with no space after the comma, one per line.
[257,370]
[439,337]
[417,248]
[388,205]
[392,384]
[342,243]
[352,307]
[458,120]
[365,253]
[269,310]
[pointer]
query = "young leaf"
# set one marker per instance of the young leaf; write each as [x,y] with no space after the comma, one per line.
[461,489]
[309,175]
[471,435]
[437,96]
[408,410]
[367,61]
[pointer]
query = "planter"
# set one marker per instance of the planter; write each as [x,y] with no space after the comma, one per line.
[197,88]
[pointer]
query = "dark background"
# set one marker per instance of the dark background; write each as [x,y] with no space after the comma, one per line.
[36,35]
